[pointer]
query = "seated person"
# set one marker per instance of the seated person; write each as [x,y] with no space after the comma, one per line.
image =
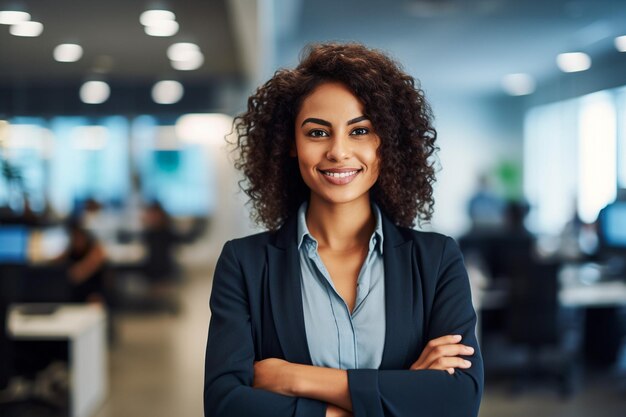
[87,261]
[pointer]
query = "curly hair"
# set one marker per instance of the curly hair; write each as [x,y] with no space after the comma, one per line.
[396,107]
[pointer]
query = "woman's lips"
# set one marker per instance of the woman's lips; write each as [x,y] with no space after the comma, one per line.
[340,177]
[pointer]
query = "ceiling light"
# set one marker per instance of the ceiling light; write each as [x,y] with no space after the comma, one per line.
[167,92]
[162,28]
[26,28]
[94,92]
[620,43]
[152,17]
[11,17]
[195,61]
[68,52]
[518,84]
[573,61]
[182,51]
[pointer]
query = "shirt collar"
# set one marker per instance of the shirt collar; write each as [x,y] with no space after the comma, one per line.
[375,241]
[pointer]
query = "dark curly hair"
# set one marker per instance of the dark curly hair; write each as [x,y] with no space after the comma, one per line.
[396,107]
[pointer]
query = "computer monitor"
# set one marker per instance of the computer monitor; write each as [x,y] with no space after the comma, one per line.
[13,244]
[612,225]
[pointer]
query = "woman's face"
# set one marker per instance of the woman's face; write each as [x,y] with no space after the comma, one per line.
[336,145]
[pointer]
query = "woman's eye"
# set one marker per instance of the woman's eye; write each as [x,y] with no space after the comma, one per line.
[317,133]
[360,131]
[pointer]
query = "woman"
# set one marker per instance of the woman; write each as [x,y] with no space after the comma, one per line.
[340,309]
[86,265]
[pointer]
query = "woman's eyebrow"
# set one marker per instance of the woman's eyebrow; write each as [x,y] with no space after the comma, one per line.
[315,120]
[325,123]
[357,120]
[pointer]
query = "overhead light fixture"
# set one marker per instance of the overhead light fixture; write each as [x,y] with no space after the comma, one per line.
[193,62]
[519,84]
[94,92]
[167,92]
[182,51]
[162,28]
[153,17]
[11,17]
[26,28]
[68,52]
[620,43]
[573,61]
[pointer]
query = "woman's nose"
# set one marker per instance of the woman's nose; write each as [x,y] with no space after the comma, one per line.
[339,149]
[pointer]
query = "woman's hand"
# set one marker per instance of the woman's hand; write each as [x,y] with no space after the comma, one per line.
[444,353]
[334,411]
[274,375]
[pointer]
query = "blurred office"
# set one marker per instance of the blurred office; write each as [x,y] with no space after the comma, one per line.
[117,189]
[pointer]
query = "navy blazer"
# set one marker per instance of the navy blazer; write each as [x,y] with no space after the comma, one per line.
[256,306]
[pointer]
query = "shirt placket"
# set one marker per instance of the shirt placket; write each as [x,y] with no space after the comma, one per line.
[347,343]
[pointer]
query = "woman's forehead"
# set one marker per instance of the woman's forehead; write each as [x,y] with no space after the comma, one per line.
[332,100]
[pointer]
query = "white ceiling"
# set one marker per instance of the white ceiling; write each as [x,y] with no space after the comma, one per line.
[463,46]
[455,46]
[114,41]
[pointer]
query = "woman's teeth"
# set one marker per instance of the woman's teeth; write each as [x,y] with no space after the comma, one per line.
[339,174]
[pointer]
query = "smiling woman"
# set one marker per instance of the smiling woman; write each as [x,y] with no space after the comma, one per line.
[340,309]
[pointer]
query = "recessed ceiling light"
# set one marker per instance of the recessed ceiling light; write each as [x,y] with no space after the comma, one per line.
[167,92]
[152,17]
[68,52]
[95,92]
[195,61]
[620,43]
[162,28]
[519,84]
[182,51]
[11,17]
[573,61]
[26,28]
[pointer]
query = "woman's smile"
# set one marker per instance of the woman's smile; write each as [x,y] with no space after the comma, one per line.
[340,176]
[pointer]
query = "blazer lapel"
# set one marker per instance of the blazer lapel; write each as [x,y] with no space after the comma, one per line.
[398,295]
[286,295]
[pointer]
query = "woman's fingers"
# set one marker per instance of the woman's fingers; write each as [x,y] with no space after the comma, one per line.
[448,363]
[438,350]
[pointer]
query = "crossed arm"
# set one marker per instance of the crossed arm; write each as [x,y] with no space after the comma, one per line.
[440,383]
[331,385]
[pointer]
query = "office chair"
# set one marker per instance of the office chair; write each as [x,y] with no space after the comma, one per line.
[550,334]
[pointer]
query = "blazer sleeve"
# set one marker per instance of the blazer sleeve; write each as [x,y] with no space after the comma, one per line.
[229,362]
[429,393]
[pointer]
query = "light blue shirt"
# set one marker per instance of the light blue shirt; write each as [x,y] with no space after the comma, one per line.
[336,338]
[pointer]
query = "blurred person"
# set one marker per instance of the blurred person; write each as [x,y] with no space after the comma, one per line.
[160,238]
[86,261]
[485,207]
[101,223]
[340,308]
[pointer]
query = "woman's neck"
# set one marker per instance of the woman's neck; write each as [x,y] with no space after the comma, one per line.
[340,227]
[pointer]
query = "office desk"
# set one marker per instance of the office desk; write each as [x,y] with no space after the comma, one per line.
[84,327]
[598,294]
[585,286]
[574,291]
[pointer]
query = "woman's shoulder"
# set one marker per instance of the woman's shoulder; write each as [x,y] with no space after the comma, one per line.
[252,242]
[428,243]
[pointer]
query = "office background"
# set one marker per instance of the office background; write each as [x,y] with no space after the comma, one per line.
[114,119]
